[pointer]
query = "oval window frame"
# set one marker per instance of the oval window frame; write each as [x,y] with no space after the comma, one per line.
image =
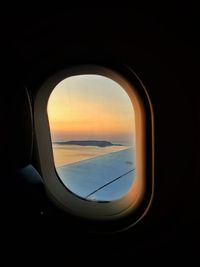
[133,205]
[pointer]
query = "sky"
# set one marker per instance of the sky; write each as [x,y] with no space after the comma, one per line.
[91,107]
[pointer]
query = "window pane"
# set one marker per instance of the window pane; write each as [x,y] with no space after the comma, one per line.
[92,126]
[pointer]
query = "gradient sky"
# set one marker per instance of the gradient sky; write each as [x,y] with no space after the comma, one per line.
[88,107]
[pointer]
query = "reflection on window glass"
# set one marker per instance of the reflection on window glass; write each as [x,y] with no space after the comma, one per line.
[92,126]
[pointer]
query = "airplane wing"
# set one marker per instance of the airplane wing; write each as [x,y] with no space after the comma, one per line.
[104,178]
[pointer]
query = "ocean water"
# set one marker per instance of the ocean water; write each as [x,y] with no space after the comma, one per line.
[68,154]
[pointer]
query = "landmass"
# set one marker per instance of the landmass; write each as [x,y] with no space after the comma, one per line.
[87,143]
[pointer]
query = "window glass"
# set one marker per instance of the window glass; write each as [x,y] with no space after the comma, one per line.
[92,125]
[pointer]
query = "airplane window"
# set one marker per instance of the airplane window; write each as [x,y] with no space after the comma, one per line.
[92,126]
[94,137]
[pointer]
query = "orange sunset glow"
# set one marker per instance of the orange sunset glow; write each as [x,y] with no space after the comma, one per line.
[87,107]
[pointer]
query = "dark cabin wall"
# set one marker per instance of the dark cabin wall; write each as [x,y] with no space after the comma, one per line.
[161,47]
